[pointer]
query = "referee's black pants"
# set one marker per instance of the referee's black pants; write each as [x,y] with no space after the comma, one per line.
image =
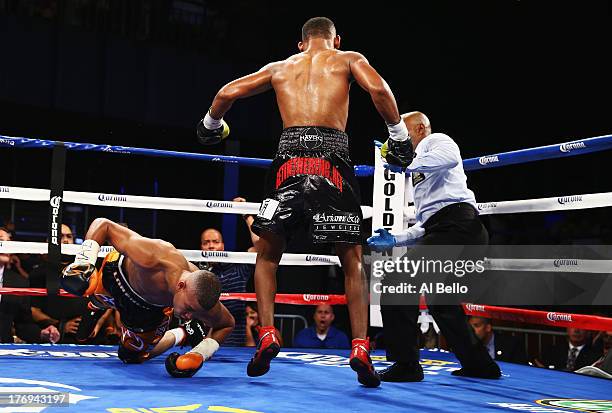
[457,225]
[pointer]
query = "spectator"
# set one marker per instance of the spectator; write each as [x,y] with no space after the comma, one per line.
[11,261]
[606,356]
[61,312]
[430,338]
[16,322]
[598,337]
[253,326]
[106,330]
[500,347]
[15,263]
[322,334]
[233,277]
[572,355]
[603,366]
[5,235]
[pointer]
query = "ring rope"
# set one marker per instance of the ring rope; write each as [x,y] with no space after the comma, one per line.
[562,265]
[230,257]
[296,299]
[126,150]
[558,150]
[147,202]
[555,319]
[550,318]
[559,203]
[238,257]
[577,147]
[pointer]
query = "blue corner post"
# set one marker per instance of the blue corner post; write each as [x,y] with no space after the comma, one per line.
[230,191]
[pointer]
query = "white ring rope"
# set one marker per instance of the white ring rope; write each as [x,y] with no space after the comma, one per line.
[494,264]
[137,201]
[560,203]
[19,247]
[563,265]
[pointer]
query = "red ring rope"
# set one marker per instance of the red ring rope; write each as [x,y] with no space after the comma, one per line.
[549,318]
[298,299]
[556,319]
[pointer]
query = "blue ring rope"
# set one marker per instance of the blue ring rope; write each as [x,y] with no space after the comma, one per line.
[74,146]
[560,150]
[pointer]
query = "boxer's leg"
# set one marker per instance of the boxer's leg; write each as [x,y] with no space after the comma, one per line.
[355,287]
[270,249]
[357,299]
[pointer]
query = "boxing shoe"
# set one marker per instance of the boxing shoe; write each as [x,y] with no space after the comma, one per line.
[402,372]
[361,363]
[491,371]
[267,348]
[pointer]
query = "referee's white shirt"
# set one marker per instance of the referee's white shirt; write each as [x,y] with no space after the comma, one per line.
[438,178]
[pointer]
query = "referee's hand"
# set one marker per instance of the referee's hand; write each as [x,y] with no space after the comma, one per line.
[394,168]
[381,242]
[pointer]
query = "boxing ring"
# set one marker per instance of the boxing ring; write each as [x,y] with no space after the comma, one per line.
[299,381]
[92,379]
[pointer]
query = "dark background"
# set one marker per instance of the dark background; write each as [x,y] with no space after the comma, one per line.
[494,75]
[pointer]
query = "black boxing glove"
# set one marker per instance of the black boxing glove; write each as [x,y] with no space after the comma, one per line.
[212,131]
[129,356]
[399,150]
[88,324]
[75,277]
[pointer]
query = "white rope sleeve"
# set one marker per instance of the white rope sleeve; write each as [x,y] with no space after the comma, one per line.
[144,202]
[230,257]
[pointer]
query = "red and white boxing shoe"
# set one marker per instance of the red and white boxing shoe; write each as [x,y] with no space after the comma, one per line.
[362,363]
[267,348]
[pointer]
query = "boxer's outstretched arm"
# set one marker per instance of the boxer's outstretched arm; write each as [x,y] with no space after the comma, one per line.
[243,87]
[143,251]
[166,342]
[369,79]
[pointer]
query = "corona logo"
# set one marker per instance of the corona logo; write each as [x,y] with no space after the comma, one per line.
[485,160]
[558,317]
[315,297]
[568,147]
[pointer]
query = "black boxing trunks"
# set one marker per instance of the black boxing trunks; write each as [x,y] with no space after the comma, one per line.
[312,184]
[144,324]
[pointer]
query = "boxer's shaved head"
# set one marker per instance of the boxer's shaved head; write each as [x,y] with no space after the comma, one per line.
[207,288]
[318,27]
[195,293]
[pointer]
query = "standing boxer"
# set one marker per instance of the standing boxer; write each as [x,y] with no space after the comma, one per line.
[312,182]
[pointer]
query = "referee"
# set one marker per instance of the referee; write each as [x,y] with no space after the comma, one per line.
[446,214]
